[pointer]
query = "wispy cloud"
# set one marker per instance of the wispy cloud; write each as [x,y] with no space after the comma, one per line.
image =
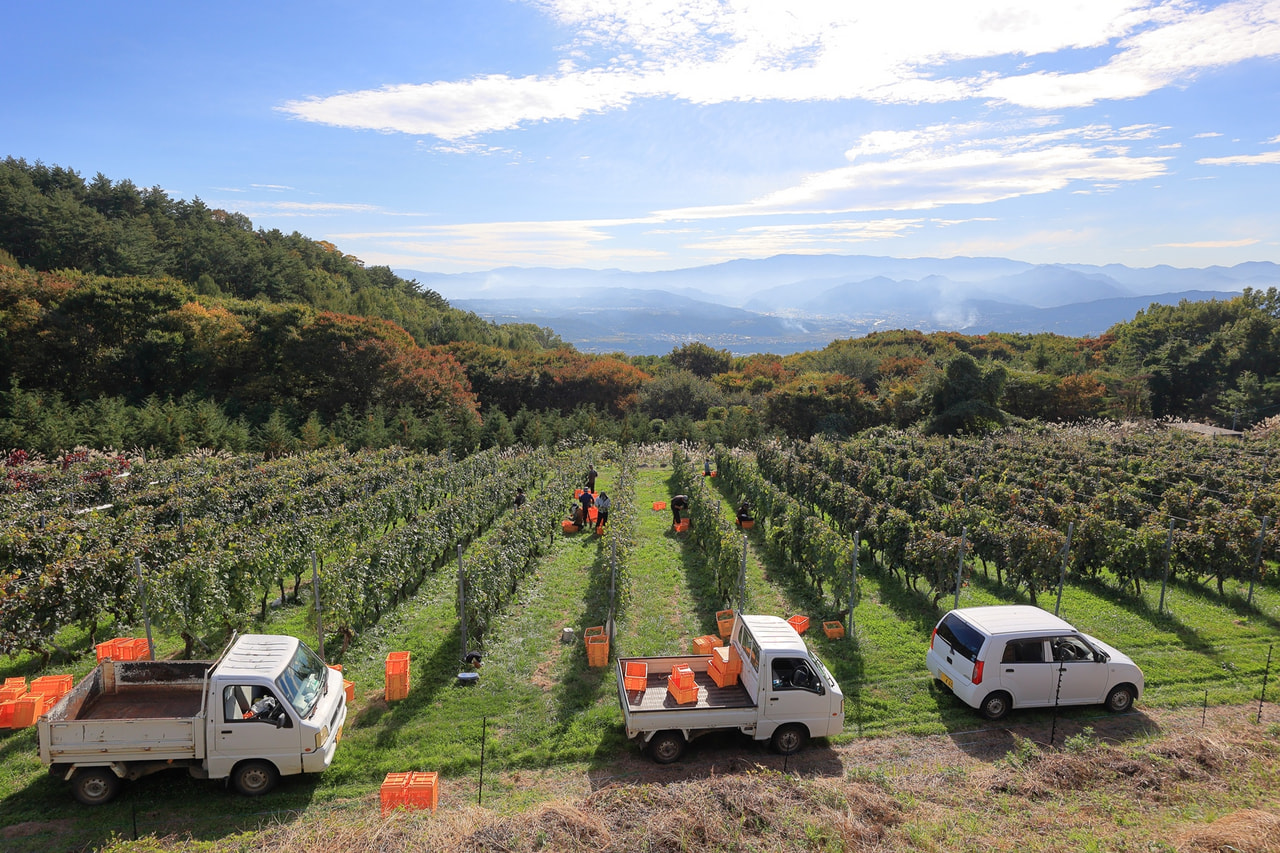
[949,165]
[1211,244]
[301,208]
[909,52]
[1267,158]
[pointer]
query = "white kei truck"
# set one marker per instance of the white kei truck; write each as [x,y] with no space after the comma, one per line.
[784,694]
[267,707]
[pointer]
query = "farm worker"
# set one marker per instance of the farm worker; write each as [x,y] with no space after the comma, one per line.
[678,503]
[591,478]
[520,498]
[744,511]
[706,467]
[602,506]
[588,501]
[577,514]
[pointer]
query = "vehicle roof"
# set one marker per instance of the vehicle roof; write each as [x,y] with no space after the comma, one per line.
[1012,619]
[774,633]
[258,655]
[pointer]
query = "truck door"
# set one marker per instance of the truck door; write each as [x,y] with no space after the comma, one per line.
[1026,673]
[252,722]
[794,693]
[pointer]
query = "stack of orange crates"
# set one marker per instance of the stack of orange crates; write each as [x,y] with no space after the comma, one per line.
[397,676]
[703,645]
[413,790]
[348,687]
[681,685]
[725,666]
[597,646]
[724,621]
[124,648]
[13,690]
[800,623]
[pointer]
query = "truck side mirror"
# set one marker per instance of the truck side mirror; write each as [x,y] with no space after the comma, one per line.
[279,721]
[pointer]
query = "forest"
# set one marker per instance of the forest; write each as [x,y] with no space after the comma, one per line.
[130,320]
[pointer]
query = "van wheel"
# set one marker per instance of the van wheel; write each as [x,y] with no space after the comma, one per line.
[1120,699]
[995,706]
[94,786]
[666,747]
[254,778]
[790,739]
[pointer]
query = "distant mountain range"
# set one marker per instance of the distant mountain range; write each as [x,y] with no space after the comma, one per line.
[791,303]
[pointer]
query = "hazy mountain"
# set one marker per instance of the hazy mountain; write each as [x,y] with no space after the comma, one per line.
[789,303]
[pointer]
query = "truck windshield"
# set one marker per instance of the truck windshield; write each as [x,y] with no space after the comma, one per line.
[303,681]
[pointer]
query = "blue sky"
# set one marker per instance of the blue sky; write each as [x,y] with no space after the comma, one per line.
[658,134]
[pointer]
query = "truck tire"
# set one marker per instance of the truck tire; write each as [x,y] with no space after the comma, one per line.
[254,778]
[789,739]
[94,786]
[666,747]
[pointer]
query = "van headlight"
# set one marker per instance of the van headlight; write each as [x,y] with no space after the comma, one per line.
[321,737]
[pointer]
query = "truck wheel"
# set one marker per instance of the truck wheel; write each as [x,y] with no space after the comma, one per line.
[94,786]
[995,706]
[789,739]
[1120,699]
[666,747]
[254,778]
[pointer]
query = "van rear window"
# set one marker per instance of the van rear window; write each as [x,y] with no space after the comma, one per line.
[960,635]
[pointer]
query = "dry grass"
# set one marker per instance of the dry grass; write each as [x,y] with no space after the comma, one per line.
[1142,796]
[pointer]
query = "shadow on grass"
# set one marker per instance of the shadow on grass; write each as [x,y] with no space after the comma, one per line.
[992,741]
[1234,600]
[719,753]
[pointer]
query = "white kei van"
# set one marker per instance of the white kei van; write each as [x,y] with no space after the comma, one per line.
[1018,656]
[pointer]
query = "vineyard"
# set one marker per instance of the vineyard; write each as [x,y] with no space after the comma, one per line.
[1163,545]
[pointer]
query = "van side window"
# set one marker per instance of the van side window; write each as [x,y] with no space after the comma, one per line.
[1023,651]
[1071,648]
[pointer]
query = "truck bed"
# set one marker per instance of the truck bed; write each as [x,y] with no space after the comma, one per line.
[141,701]
[655,696]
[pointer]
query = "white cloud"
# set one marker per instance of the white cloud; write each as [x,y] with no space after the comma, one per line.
[301,208]
[716,51]
[1268,158]
[766,240]
[929,170]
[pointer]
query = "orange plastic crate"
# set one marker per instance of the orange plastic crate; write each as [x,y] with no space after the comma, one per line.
[800,623]
[577,493]
[8,694]
[139,648]
[592,513]
[833,630]
[683,526]
[349,687]
[336,667]
[423,790]
[683,695]
[568,526]
[636,676]
[704,644]
[19,681]
[724,621]
[598,650]
[397,662]
[747,524]
[397,687]
[682,675]
[26,710]
[725,659]
[721,677]
[392,792]
[6,713]
[54,686]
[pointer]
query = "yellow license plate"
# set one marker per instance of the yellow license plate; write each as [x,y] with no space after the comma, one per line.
[946,679]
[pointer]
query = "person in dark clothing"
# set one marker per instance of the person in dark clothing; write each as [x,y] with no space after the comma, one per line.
[678,503]
[588,501]
[520,498]
[744,512]
[591,478]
